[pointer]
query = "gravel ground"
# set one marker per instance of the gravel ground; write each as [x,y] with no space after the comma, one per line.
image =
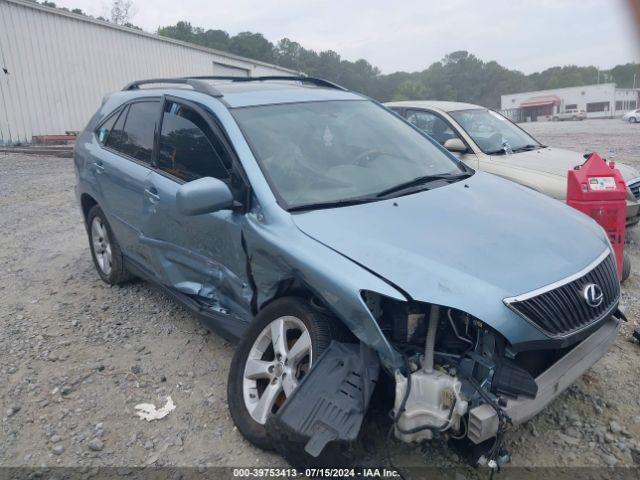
[77,355]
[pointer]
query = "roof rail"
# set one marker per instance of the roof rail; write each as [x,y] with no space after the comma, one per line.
[195,83]
[320,82]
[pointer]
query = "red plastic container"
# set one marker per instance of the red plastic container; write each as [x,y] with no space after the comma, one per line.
[598,190]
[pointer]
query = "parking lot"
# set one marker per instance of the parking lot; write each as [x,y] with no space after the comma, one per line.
[77,355]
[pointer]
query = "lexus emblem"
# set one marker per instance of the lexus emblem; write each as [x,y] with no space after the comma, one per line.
[593,295]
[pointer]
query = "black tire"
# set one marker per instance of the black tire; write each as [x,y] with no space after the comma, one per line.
[555,119]
[322,329]
[632,120]
[118,273]
[626,267]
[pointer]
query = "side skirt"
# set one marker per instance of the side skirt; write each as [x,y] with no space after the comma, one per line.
[230,327]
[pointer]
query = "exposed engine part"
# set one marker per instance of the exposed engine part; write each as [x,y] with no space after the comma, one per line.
[430,342]
[511,380]
[433,402]
[427,399]
[483,423]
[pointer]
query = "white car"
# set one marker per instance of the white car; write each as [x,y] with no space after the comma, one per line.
[632,117]
[485,140]
[571,114]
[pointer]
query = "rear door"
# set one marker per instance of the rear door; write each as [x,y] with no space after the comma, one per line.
[199,255]
[122,167]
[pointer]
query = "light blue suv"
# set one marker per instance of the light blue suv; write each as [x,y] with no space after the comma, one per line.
[348,252]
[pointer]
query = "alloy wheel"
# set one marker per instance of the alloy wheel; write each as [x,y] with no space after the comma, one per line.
[101,245]
[277,362]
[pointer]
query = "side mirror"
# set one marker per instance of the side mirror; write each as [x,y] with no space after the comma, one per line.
[455,145]
[205,195]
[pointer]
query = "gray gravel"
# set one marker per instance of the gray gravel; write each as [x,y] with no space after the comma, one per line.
[77,355]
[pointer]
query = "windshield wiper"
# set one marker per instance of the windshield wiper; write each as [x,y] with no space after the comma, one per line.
[332,204]
[421,181]
[528,147]
[499,151]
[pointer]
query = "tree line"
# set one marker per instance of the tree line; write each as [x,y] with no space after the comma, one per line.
[459,76]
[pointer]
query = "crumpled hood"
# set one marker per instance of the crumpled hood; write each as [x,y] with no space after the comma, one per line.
[467,245]
[554,161]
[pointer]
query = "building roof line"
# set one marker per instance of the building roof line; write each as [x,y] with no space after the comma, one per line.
[546,90]
[103,23]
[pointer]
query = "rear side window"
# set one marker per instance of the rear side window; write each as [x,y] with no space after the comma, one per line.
[189,149]
[133,132]
[106,127]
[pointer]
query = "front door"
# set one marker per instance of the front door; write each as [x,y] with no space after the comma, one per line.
[441,131]
[201,255]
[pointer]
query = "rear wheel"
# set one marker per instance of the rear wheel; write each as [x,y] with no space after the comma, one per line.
[105,250]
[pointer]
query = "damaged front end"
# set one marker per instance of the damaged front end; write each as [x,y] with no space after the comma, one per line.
[461,380]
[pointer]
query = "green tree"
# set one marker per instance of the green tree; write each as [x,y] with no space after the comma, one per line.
[410,90]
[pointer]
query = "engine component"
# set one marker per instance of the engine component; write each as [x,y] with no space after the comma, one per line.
[511,380]
[427,399]
[483,423]
[433,403]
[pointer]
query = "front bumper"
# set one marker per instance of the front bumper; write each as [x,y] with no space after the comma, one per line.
[565,372]
[483,420]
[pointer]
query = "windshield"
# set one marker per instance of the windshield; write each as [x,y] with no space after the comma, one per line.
[492,132]
[334,151]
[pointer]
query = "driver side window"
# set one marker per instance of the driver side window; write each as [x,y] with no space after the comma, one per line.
[189,148]
[431,124]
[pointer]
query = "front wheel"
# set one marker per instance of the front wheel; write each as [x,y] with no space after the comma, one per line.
[275,354]
[633,119]
[626,267]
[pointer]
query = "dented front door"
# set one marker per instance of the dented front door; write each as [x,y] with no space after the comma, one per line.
[200,255]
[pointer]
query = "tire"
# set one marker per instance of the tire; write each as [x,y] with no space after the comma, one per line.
[555,119]
[574,118]
[633,119]
[109,262]
[626,267]
[244,393]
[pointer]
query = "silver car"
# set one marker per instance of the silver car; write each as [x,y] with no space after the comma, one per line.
[486,140]
[632,117]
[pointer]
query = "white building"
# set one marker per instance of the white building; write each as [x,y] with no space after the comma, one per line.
[56,66]
[598,101]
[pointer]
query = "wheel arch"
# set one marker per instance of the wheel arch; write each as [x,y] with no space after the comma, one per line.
[87,202]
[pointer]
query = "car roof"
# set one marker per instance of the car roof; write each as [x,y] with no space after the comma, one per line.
[244,94]
[435,104]
[252,93]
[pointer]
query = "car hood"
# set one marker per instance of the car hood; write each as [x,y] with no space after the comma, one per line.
[554,161]
[466,245]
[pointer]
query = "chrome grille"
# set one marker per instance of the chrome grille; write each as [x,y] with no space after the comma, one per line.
[563,310]
[634,186]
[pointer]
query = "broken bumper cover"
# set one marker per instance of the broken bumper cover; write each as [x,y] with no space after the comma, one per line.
[555,380]
[330,402]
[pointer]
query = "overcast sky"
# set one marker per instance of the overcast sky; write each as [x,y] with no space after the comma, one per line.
[409,35]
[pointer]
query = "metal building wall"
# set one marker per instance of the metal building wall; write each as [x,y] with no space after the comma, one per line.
[60,65]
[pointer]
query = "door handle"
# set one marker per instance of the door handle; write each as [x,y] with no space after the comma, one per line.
[152,194]
[99,167]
